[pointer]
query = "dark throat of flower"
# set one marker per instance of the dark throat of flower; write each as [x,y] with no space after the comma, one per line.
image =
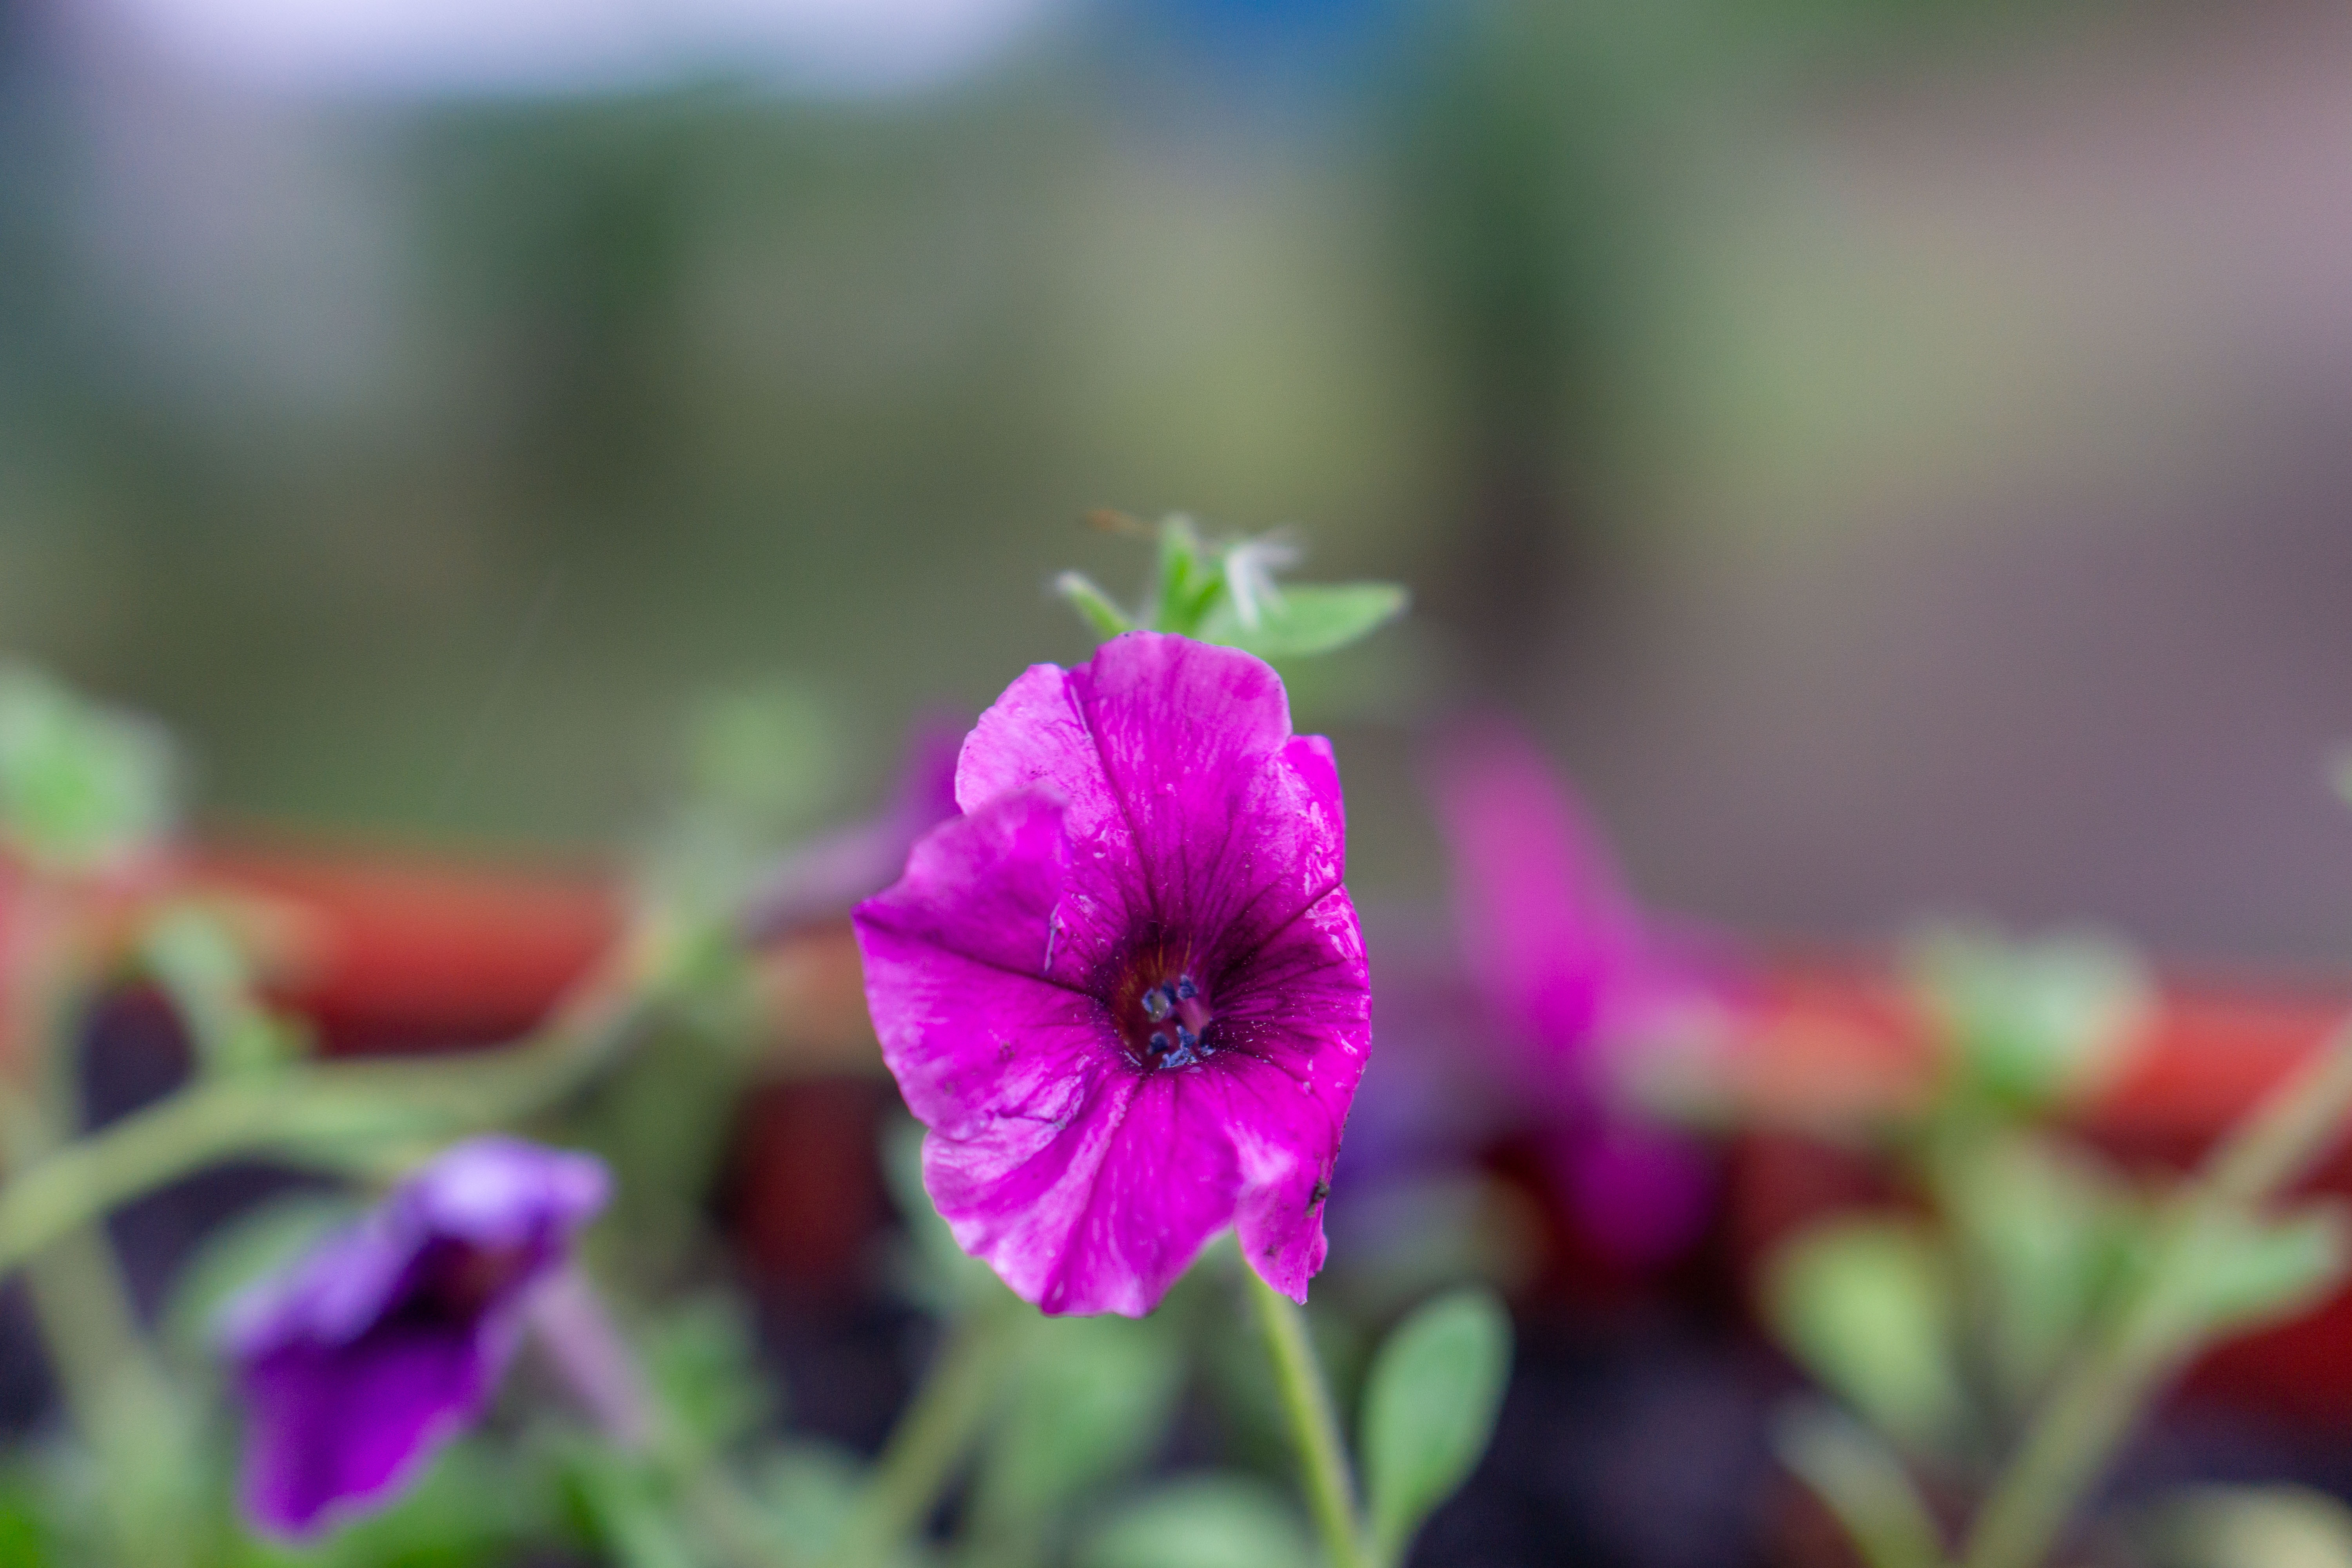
[1164,1016]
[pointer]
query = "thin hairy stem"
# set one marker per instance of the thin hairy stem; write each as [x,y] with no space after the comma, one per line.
[1324,1474]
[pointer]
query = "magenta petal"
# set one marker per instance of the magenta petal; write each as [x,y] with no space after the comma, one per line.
[1125,991]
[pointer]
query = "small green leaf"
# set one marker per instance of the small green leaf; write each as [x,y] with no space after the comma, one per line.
[1187,584]
[2251,1527]
[1094,1399]
[1430,1403]
[79,784]
[2030,1025]
[1091,603]
[1865,1305]
[1304,621]
[2049,1229]
[1213,1522]
[703,1363]
[626,1510]
[2249,1272]
[806,1492]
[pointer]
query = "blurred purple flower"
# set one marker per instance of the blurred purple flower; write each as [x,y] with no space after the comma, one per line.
[390,1338]
[1573,975]
[828,874]
[1125,991]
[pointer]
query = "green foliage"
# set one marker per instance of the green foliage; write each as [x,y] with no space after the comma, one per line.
[1863,1483]
[191,953]
[1094,1400]
[2253,1271]
[622,1508]
[2027,1025]
[479,1505]
[703,1365]
[1306,621]
[2250,1527]
[1225,593]
[80,786]
[1221,1522]
[1866,1305]
[1430,1403]
[2045,1232]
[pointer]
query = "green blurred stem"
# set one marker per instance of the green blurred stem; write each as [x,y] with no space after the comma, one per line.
[934,1434]
[321,1114]
[1862,1485]
[2149,1335]
[1330,1486]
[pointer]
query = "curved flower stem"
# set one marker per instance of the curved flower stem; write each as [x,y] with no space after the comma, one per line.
[311,1113]
[933,1434]
[1314,1426]
[2147,1338]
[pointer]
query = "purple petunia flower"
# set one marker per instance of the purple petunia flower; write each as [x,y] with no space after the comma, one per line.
[390,1338]
[1126,990]
[1575,975]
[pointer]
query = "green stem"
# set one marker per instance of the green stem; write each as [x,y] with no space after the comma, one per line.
[1330,1486]
[2145,1340]
[310,1113]
[933,1436]
[115,1392]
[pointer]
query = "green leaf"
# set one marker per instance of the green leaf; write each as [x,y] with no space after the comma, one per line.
[1095,606]
[626,1508]
[1187,584]
[806,1492]
[1865,1305]
[703,1364]
[1430,1403]
[2251,1527]
[1305,621]
[1093,1402]
[2049,1230]
[79,784]
[2030,1025]
[2249,1272]
[1213,1522]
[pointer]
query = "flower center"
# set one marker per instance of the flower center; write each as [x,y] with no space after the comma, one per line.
[1167,1022]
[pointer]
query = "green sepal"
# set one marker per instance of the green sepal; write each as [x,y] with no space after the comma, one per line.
[1094,606]
[1430,1398]
[1188,583]
[1306,621]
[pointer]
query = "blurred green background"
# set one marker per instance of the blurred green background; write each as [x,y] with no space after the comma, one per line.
[1896,454]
